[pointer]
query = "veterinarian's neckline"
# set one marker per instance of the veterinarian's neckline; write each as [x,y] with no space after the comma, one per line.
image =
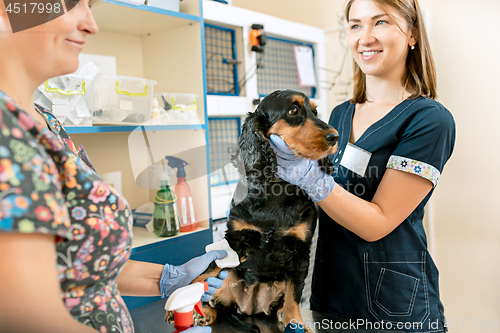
[391,115]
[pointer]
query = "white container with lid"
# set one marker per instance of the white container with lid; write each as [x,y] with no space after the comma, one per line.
[70,98]
[122,100]
[172,5]
[180,108]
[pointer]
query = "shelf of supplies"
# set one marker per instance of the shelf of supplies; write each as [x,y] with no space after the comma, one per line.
[145,240]
[129,128]
[138,20]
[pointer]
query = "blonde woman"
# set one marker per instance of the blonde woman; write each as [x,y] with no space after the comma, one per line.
[372,262]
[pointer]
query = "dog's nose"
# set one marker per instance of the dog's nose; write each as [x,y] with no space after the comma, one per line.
[332,138]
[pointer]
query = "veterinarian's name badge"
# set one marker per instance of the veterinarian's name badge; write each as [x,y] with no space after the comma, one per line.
[355,159]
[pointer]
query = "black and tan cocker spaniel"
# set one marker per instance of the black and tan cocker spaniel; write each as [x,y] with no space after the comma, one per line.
[271,222]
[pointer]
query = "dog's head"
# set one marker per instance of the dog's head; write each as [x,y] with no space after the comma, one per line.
[292,116]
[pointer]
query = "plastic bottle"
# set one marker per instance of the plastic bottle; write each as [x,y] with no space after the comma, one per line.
[155,112]
[184,198]
[165,216]
[183,301]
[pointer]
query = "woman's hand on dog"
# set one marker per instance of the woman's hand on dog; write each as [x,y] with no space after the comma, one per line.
[175,277]
[300,171]
[214,283]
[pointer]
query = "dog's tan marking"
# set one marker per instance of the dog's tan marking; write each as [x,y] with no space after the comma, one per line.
[300,231]
[235,290]
[251,300]
[210,316]
[267,294]
[305,140]
[224,295]
[278,128]
[298,99]
[244,297]
[291,309]
[203,277]
[313,106]
[240,225]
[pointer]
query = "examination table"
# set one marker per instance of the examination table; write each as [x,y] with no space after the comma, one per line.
[150,319]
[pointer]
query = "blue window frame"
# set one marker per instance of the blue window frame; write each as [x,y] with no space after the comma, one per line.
[223,136]
[277,68]
[220,46]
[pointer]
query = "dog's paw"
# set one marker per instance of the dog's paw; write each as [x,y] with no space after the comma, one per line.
[280,314]
[169,317]
[209,319]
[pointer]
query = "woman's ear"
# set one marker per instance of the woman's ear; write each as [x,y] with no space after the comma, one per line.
[414,34]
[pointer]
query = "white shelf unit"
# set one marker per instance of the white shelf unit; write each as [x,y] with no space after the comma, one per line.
[168,47]
[241,21]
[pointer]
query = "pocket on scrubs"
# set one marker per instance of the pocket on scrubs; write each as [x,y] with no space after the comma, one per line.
[396,286]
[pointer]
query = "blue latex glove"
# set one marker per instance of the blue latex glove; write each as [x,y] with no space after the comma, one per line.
[175,277]
[214,283]
[199,329]
[300,171]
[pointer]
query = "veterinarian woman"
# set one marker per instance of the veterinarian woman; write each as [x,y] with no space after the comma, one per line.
[65,235]
[372,262]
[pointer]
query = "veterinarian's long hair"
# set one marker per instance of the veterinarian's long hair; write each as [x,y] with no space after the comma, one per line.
[420,75]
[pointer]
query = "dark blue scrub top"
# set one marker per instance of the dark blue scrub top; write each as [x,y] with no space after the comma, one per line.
[393,279]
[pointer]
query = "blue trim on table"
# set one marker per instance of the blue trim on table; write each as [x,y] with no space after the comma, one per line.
[167,241]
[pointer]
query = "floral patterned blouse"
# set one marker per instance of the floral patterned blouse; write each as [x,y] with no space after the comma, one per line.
[47,188]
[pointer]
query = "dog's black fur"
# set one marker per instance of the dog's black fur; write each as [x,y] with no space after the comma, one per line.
[271,222]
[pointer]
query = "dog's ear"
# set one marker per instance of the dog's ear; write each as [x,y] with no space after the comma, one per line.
[258,157]
[237,161]
[326,165]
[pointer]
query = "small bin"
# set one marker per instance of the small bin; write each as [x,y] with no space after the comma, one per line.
[69,97]
[141,219]
[122,100]
[180,109]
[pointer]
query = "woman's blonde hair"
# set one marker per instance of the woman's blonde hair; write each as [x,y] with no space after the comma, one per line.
[420,76]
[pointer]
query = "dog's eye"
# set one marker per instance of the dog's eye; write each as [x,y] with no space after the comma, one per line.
[293,111]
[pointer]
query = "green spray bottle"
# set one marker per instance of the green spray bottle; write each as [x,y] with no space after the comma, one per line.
[165,216]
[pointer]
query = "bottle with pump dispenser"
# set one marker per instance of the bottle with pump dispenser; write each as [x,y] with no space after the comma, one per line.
[183,301]
[184,198]
[165,216]
[155,112]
